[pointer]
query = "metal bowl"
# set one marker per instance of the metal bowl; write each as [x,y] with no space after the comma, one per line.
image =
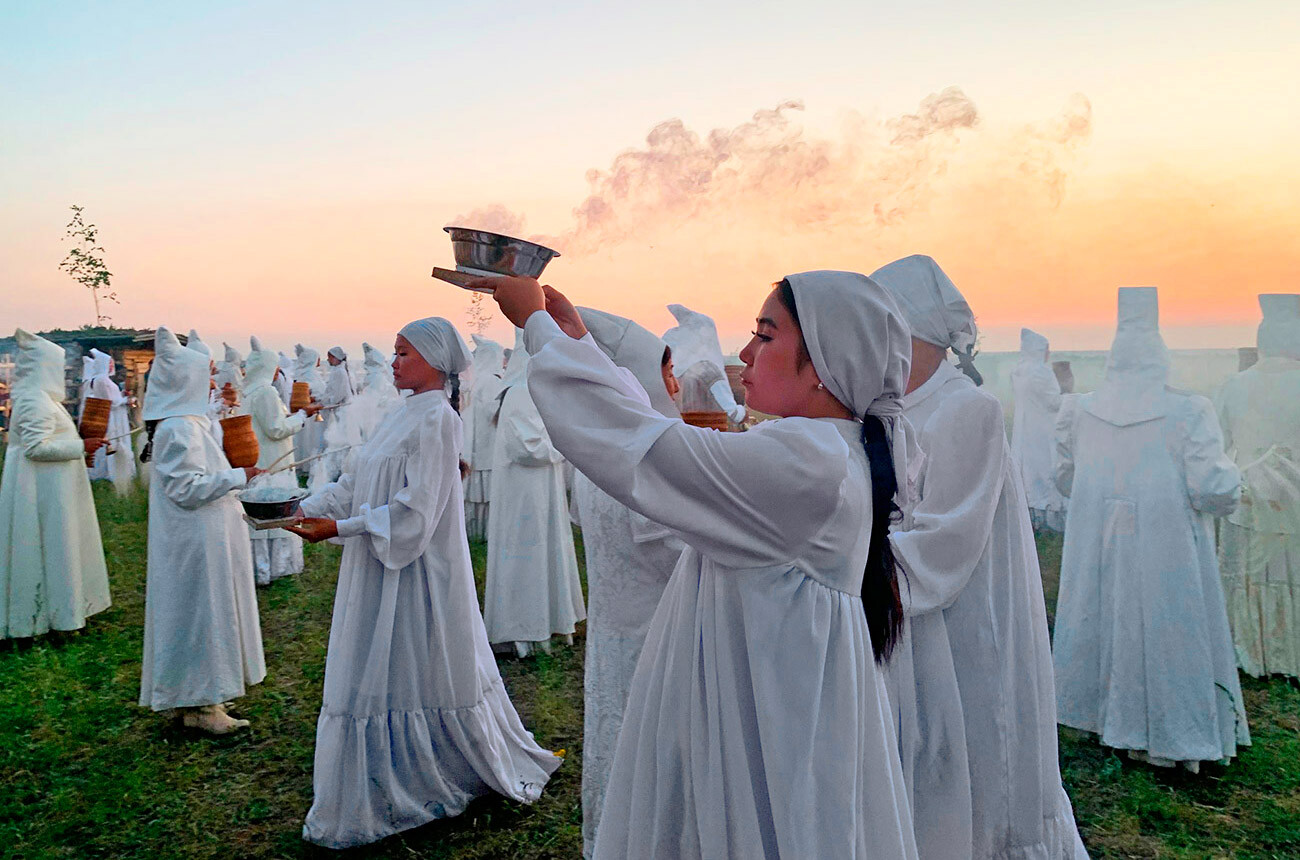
[275,509]
[498,254]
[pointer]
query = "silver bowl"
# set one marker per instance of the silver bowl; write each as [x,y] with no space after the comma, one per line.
[497,254]
[274,509]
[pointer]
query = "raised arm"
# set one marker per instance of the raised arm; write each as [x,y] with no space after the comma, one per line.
[271,417]
[743,499]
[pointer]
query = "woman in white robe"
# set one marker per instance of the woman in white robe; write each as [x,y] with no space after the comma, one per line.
[52,571]
[415,720]
[202,637]
[1033,430]
[533,588]
[276,552]
[308,441]
[119,466]
[629,561]
[481,433]
[284,378]
[758,724]
[1260,550]
[1142,647]
[699,365]
[972,684]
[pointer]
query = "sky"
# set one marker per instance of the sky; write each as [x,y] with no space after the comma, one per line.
[285,169]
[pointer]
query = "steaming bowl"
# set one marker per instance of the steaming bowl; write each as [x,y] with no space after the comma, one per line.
[274,509]
[498,254]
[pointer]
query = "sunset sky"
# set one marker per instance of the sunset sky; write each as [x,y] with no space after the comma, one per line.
[286,169]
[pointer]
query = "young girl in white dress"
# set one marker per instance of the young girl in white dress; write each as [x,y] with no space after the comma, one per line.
[758,725]
[415,721]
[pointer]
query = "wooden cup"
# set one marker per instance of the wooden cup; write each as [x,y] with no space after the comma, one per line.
[239,441]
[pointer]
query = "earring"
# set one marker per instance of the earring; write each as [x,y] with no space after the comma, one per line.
[821,387]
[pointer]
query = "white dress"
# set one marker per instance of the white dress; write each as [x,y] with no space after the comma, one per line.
[118,467]
[480,447]
[1142,648]
[202,637]
[1260,549]
[533,588]
[415,720]
[973,681]
[276,552]
[1033,428]
[758,724]
[629,561]
[52,572]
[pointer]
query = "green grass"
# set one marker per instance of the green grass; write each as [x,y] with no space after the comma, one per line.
[85,772]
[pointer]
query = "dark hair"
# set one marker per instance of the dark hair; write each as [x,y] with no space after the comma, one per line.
[149,428]
[668,356]
[880,595]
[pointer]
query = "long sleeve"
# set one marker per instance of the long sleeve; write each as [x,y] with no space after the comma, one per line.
[178,464]
[965,464]
[742,499]
[36,423]
[333,500]
[400,531]
[271,416]
[1213,480]
[524,439]
[1063,449]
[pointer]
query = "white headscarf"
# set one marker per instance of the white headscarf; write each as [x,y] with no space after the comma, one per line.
[633,347]
[861,347]
[1033,347]
[693,339]
[304,366]
[934,308]
[194,342]
[1279,330]
[338,353]
[178,380]
[438,343]
[1138,365]
[39,366]
[260,367]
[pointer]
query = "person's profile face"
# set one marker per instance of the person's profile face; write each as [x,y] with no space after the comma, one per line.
[778,379]
[410,370]
[670,379]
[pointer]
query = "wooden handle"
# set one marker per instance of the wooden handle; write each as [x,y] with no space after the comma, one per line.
[460,279]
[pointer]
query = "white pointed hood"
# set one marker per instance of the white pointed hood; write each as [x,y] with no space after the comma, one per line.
[194,342]
[1033,347]
[1138,365]
[228,369]
[1279,330]
[102,363]
[39,366]
[87,368]
[260,367]
[635,348]
[693,339]
[489,358]
[178,380]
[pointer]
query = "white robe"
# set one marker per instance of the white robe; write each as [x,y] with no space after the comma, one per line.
[480,448]
[52,572]
[972,683]
[1260,550]
[629,561]
[758,724]
[309,441]
[276,552]
[415,720]
[119,467]
[1033,428]
[533,588]
[1142,648]
[202,637]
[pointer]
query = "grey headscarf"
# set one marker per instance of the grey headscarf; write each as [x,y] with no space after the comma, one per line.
[635,348]
[438,343]
[934,308]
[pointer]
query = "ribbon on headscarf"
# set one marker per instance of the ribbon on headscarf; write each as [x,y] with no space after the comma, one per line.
[438,343]
[934,308]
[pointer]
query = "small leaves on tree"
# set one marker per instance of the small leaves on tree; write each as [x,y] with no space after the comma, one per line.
[479,313]
[85,263]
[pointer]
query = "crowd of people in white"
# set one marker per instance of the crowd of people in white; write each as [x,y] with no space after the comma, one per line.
[824,636]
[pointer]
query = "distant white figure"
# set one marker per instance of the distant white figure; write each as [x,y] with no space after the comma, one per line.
[1260,550]
[1142,648]
[230,370]
[533,590]
[629,562]
[342,431]
[1033,429]
[202,637]
[972,681]
[699,365]
[284,378]
[52,572]
[378,395]
[306,369]
[118,467]
[481,432]
[87,374]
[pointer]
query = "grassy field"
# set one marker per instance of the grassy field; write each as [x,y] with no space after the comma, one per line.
[84,772]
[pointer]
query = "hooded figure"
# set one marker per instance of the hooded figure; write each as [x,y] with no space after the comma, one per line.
[340,430]
[87,374]
[119,466]
[377,399]
[1142,647]
[52,572]
[533,591]
[415,721]
[699,365]
[1038,399]
[1259,409]
[306,368]
[284,379]
[481,432]
[230,369]
[629,561]
[376,369]
[757,724]
[202,638]
[276,552]
[972,682]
